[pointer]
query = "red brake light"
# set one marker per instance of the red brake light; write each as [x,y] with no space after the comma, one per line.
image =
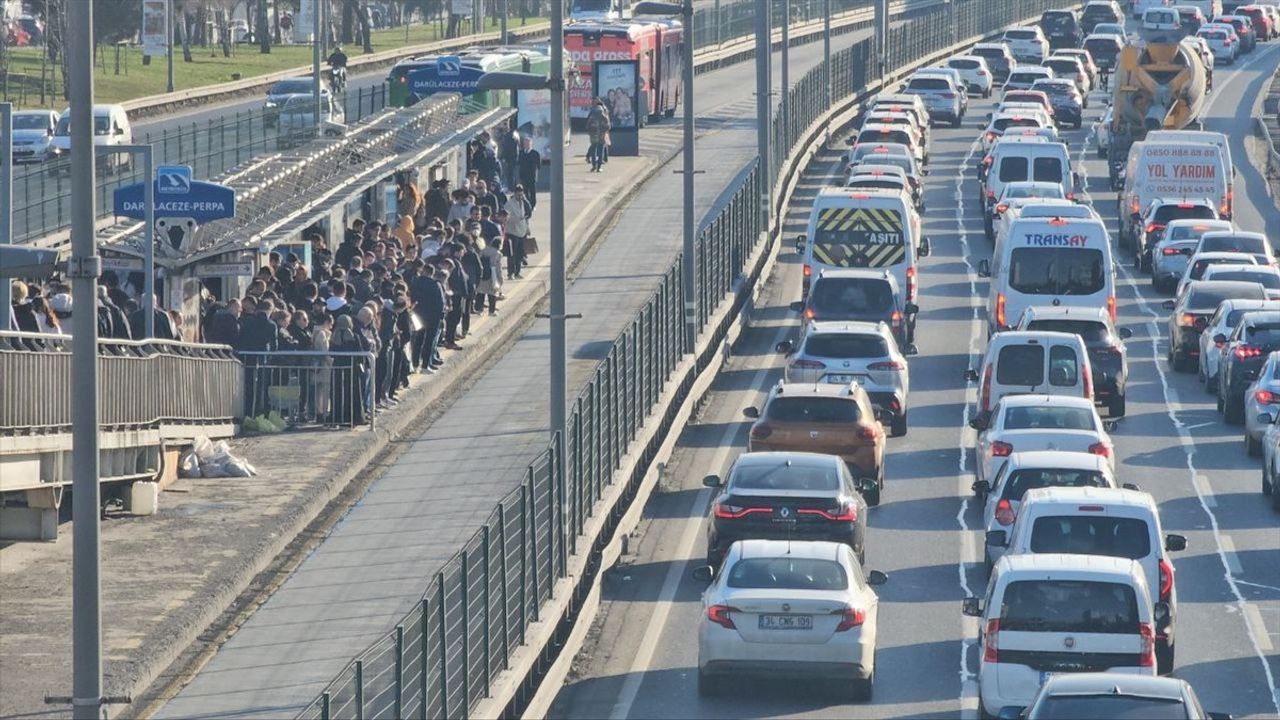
[1001,208]
[809,314]
[1147,657]
[991,195]
[734,512]
[1071,196]
[760,432]
[1152,227]
[986,389]
[841,513]
[1187,320]
[1100,449]
[1088,386]
[1001,449]
[911,283]
[808,270]
[990,136]
[1111,307]
[1090,508]
[1170,251]
[896,319]
[987,161]
[1244,352]
[1001,319]
[1264,397]
[1166,579]
[868,432]
[887,365]
[991,647]
[1004,513]
[1185,206]
[719,614]
[850,618]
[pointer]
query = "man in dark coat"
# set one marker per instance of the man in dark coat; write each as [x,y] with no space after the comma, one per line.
[530,163]
[486,162]
[163,325]
[430,304]
[350,247]
[257,334]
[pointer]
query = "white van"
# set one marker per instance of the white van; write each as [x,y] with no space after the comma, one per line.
[1049,261]
[1018,160]
[1172,169]
[1097,521]
[1023,362]
[864,228]
[111,128]
[1049,614]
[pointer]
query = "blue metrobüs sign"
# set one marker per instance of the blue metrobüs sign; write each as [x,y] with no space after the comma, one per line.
[446,74]
[202,201]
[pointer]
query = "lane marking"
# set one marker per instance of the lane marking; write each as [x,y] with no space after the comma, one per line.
[1229,553]
[1201,482]
[1257,628]
[680,563]
[1258,585]
[1207,503]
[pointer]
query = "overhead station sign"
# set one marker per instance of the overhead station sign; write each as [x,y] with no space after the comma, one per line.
[177,195]
[447,74]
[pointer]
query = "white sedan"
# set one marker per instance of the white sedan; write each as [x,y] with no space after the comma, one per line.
[975,73]
[1020,423]
[800,609]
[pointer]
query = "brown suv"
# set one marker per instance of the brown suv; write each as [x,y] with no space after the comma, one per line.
[824,418]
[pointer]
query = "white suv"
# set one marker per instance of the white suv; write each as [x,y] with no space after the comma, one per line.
[1027,44]
[941,95]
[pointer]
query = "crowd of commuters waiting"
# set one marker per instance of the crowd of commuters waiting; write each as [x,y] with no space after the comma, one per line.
[400,294]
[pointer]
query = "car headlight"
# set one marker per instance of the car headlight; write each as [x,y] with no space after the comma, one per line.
[271,104]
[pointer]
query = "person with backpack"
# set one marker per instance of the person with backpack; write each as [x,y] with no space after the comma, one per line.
[490,286]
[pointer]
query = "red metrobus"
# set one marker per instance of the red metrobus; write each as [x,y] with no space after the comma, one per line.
[657,44]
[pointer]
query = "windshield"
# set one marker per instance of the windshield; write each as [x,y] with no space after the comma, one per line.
[1268,280]
[1088,330]
[929,84]
[874,182]
[1057,271]
[1262,335]
[1020,34]
[884,135]
[1023,480]
[787,573]
[1092,535]
[1187,232]
[1048,417]
[1058,20]
[1052,192]
[1027,77]
[964,64]
[1062,66]
[1207,300]
[1199,267]
[831,345]
[1056,88]
[900,161]
[785,476]
[30,122]
[1099,13]
[813,410]
[995,57]
[101,125]
[292,87]
[1003,124]
[1074,606]
[1102,48]
[1234,243]
[1115,707]
[851,296]
[1166,214]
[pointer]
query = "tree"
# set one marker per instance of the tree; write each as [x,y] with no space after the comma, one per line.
[262,29]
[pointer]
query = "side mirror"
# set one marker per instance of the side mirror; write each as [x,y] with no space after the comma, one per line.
[911,308]
[1075,180]
[1011,712]
[1175,543]
[1220,338]
[865,485]
[984,268]
[851,141]
[981,487]
[883,416]
[978,422]
[1124,333]
[800,242]
[1168,305]
[1130,486]
[875,577]
[972,607]
[1161,613]
[997,538]
[711,481]
[704,573]
[971,375]
[752,412]
[1266,418]
[1110,425]
[990,115]
[910,350]
[925,247]
[786,347]
[797,306]
[120,131]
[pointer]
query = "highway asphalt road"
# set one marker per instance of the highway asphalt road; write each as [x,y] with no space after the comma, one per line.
[428,501]
[641,656]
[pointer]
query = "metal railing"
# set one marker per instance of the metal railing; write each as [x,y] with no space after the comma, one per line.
[442,657]
[137,380]
[311,387]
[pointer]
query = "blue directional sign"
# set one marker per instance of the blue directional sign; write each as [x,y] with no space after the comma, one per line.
[173,179]
[178,196]
[446,74]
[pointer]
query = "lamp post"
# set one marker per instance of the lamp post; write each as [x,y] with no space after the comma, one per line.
[784,100]
[168,43]
[83,270]
[315,60]
[826,53]
[685,10]
[764,43]
[6,201]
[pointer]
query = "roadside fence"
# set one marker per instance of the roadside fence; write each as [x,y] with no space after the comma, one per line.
[441,658]
[333,389]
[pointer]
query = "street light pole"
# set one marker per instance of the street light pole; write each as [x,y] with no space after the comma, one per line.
[785,100]
[83,270]
[763,56]
[559,362]
[168,41]
[826,52]
[6,203]
[315,60]
[149,237]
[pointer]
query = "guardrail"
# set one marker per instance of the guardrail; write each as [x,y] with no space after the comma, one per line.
[442,658]
[138,380]
[312,387]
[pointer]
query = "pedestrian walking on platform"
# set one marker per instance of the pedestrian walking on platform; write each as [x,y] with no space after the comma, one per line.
[598,126]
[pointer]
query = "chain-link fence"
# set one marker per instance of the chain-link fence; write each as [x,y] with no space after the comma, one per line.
[441,658]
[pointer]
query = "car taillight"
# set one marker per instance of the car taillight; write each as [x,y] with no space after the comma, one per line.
[1001,320]
[734,512]
[1264,397]
[1004,513]
[840,513]
[986,389]
[808,270]
[991,645]
[1111,307]
[1071,196]
[1147,653]
[1244,352]
[1166,580]
[1152,227]
[808,365]
[1001,208]
[1134,209]
[1170,251]
[809,314]
[911,283]
[850,618]
[896,319]
[1187,320]
[1001,449]
[1088,386]
[1224,210]
[948,95]
[982,73]
[719,614]
[991,195]
[868,432]
[887,365]
[991,136]
[987,161]
[1100,449]
[760,432]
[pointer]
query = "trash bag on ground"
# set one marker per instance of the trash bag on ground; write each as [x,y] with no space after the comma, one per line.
[215,460]
[189,463]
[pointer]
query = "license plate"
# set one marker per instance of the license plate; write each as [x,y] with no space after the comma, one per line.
[786,622]
[845,379]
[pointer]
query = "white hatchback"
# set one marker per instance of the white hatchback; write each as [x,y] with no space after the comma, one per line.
[1021,423]
[800,609]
